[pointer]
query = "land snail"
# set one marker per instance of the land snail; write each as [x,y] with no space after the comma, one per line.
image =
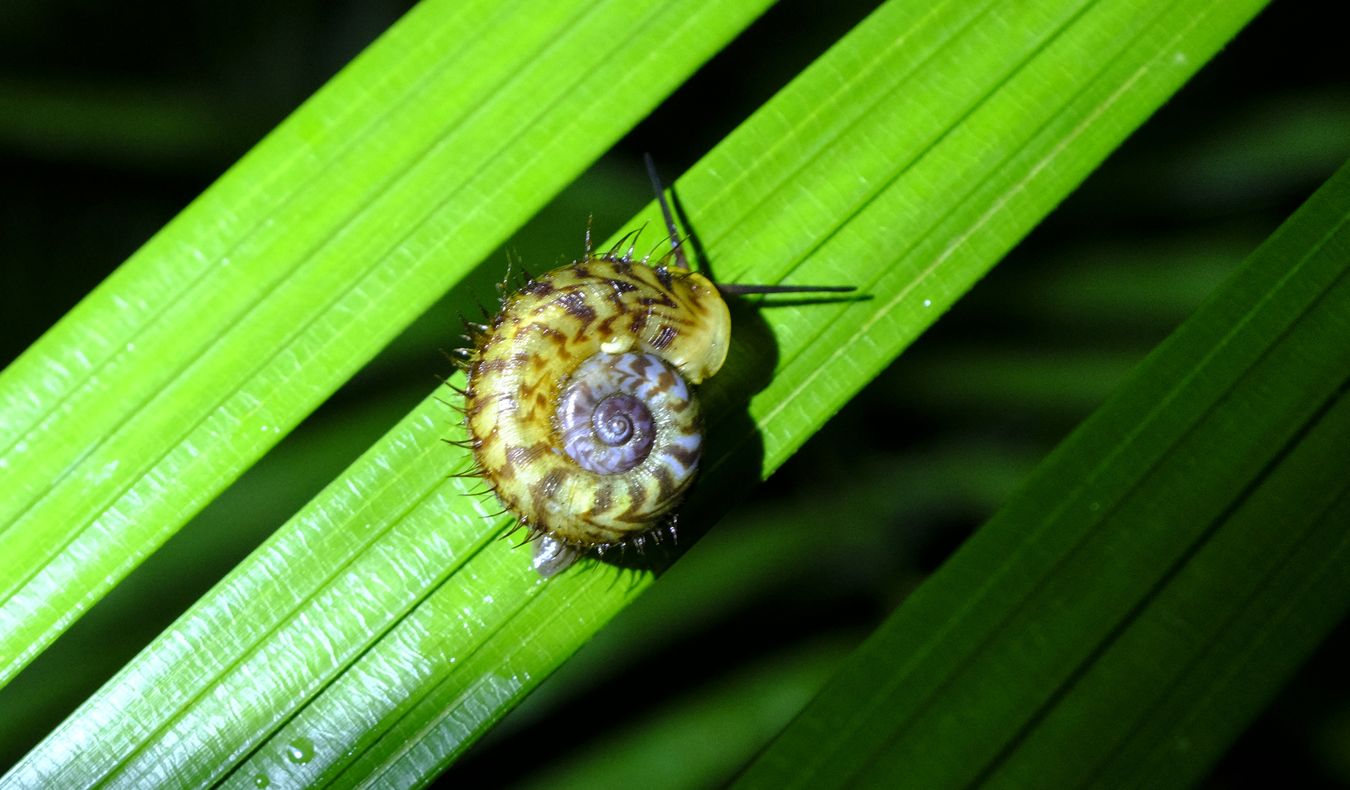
[580,402]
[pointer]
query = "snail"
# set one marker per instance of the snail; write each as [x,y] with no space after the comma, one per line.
[580,404]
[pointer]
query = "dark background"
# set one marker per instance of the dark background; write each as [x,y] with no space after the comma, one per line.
[114,116]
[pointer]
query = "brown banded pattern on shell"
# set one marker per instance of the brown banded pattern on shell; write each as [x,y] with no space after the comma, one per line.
[658,329]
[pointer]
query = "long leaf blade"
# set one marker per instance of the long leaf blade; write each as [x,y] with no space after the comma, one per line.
[273,287]
[1174,559]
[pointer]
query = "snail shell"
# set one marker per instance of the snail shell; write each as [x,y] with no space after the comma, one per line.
[580,409]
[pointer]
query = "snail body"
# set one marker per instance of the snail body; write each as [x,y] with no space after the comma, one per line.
[580,407]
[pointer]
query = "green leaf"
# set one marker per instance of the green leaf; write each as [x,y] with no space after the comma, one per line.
[280,281]
[672,748]
[384,628]
[1152,586]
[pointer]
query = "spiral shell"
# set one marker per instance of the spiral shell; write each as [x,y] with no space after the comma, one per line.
[579,405]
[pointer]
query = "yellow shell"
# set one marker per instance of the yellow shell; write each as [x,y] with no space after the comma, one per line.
[601,307]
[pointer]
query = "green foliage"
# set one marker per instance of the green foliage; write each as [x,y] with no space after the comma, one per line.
[275,285]
[1154,583]
[384,628]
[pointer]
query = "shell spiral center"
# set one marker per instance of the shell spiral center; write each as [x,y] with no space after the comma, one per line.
[603,416]
[618,417]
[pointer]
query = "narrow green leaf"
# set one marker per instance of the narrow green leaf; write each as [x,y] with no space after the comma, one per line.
[384,628]
[289,273]
[674,748]
[1152,586]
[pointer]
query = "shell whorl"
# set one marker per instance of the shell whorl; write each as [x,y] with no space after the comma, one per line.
[615,406]
[579,405]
